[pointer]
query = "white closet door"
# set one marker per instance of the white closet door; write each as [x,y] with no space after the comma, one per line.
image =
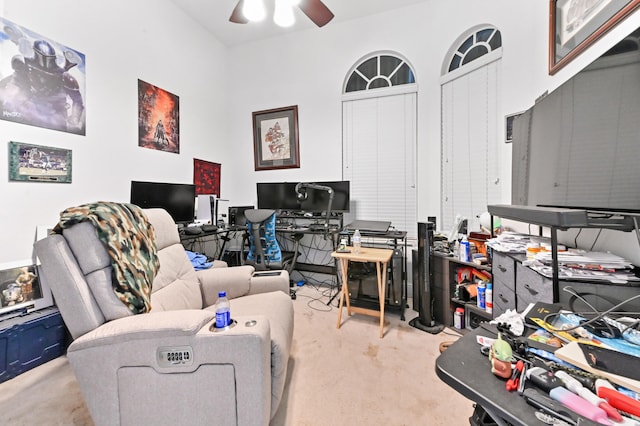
[379,146]
[470,139]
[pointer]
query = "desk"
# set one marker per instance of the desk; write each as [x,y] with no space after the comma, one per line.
[189,241]
[466,370]
[381,258]
[309,241]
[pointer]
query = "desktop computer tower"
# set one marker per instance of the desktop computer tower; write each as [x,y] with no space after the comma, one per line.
[363,283]
[237,217]
[207,212]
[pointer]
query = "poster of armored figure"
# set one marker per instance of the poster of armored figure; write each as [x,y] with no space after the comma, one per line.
[158,118]
[42,82]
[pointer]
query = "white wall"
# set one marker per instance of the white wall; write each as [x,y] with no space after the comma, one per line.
[123,41]
[219,89]
[308,69]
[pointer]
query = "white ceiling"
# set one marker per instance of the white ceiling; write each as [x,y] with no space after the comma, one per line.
[214,16]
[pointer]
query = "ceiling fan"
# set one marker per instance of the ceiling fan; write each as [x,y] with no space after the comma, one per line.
[317,11]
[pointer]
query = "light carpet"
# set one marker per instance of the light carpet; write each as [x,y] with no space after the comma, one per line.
[346,376]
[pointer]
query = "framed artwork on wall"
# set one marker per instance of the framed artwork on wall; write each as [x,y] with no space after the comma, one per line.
[158,118]
[35,163]
[508,126]
[275,138]
[43,81]
[574,25]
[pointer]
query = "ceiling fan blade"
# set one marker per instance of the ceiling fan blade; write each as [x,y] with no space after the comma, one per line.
[236,16]
[316,11]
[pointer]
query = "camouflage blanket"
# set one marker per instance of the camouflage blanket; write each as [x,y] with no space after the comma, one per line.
[130,241]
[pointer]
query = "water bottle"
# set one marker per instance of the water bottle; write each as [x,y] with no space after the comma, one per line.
[488,298]
[464,249]
[481,295]
[223,310]
[357,241]
[458,318]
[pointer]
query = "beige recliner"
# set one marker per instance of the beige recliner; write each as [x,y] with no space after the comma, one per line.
[169,366]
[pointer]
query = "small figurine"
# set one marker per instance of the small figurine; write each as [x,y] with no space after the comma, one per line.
[500,356]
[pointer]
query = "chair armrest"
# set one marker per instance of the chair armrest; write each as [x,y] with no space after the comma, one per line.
[120,360]
[168,324]
[268,281]
[236,281]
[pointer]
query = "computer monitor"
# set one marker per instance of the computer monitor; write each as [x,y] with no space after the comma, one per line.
[282,196]
[179,200]
[317,200]
[277,196]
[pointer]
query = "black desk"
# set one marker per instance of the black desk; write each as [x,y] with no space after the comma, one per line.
[466,370]
[315,231]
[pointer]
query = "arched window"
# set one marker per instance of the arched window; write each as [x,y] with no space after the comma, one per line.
[377,71]
[483,40]
[471,126]
[379,128]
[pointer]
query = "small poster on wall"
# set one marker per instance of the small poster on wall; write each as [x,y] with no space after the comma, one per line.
[206,177]
[44,81]
[158,118]
[36,163]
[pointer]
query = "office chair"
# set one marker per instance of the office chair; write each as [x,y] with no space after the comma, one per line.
[264,250]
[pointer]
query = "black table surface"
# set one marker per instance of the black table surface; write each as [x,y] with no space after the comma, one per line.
[468,371]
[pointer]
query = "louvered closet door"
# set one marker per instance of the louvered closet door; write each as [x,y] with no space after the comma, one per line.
[379,155]
[470,138]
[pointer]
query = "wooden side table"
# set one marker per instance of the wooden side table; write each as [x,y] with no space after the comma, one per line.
[381,258]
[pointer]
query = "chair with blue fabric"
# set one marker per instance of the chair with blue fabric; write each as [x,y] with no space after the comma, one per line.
[264,250]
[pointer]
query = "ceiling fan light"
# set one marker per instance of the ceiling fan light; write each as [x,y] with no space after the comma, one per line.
[283,14]
[254,10]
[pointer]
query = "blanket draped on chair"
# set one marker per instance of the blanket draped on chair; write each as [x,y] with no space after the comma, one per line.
[129,239]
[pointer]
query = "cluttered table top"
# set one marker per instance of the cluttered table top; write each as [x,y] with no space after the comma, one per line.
[594,364]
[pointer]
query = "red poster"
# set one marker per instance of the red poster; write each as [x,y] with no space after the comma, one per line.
[206,177]
[158,118]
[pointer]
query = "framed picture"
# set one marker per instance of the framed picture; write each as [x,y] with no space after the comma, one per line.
[21,289]
[508,126]
[158,118]
[35,163]
[275,138]
[574,25]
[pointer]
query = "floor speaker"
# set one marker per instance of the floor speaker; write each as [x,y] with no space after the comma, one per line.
[425,321]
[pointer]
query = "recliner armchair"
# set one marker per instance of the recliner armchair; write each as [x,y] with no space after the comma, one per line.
[168,366]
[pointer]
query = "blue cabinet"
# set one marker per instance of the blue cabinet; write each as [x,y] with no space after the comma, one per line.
[30,340]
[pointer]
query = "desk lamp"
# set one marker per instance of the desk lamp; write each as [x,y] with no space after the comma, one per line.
[301,191]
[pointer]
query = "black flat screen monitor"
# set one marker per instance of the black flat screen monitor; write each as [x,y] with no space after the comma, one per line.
[282,196]
[179,200]
[277,196]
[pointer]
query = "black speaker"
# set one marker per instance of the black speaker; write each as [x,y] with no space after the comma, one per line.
[424,321]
